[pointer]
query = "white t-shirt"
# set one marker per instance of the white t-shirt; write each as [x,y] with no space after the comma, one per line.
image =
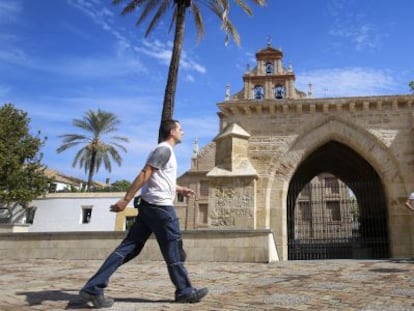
[160,188]
[411,197]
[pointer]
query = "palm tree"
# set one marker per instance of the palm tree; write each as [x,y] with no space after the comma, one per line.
[220,8]
[95,150]
[411,85]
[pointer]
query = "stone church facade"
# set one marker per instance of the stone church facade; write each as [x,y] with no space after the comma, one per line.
[274,139]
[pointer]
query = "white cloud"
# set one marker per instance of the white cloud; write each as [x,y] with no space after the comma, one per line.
[9,11]
[187,64]
[189,78]
[161,51]
[338,82]
[156,50]
[355,26]
[13,54]
[362,36]
[100,15]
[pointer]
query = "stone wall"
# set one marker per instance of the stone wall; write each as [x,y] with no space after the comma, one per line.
[200,245]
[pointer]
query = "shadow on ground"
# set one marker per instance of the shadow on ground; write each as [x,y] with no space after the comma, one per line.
[74,301]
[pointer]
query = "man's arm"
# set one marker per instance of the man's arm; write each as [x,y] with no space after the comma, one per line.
[139,181]
[408,204]
[185,191]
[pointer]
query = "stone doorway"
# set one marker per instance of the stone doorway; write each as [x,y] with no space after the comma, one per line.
[336,207]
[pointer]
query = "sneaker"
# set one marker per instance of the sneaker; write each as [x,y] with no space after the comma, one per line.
[195,296]
[98,301]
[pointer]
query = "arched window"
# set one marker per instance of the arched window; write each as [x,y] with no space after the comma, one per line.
[279,91]
[269,68]
[258,92]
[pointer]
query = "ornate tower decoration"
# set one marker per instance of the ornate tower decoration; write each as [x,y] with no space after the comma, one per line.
[194,157]
[232,181]
[269,80]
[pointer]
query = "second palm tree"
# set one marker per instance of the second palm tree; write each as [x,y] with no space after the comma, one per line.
[95,150]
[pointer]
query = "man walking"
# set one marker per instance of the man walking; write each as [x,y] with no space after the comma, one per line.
[156,214]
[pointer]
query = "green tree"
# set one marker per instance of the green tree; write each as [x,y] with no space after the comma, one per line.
[120,185]
[21,171]
[411,85]
[97,148]
[220,8]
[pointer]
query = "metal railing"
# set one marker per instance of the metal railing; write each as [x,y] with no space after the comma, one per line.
[328,221]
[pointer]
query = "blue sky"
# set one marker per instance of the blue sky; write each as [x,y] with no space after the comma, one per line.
[61,58]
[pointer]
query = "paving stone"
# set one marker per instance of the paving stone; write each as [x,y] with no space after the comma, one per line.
[363,285]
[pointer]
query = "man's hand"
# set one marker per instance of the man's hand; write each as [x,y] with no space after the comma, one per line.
[408,204]
[187,192]
[119,206]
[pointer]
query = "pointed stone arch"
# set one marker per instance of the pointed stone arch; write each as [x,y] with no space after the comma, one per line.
[323,132]
[314,135]
[369,236]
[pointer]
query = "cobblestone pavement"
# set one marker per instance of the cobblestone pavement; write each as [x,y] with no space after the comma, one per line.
[290,285]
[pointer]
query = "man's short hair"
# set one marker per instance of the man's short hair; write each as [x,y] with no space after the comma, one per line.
[166,127]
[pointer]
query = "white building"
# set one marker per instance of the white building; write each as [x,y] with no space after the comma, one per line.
[74,212]
[62,210]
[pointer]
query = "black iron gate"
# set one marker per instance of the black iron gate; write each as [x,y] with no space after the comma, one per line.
[328,219]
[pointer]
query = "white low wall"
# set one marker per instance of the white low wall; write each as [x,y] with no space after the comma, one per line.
[200,245]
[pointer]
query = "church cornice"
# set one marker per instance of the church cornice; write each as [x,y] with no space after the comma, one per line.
[273,78]
[316,105]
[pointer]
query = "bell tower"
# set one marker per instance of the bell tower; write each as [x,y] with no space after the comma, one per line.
[269,79]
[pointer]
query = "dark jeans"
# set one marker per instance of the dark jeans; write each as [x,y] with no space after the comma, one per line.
[163,222]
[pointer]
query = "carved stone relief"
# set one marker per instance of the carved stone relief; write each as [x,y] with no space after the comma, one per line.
[232,203]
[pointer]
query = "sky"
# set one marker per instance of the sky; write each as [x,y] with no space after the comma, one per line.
[62,58]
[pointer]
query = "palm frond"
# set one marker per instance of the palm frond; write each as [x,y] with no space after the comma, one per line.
[115,155]
[119,146]
[198,21]
[80,157]
[98,163]
[121,138]
[231,29]
[83,124]
[149,7]
[69,138]
[66,146]
[115,2]
[107,162]
[132,6]
[244,7]
[155,20]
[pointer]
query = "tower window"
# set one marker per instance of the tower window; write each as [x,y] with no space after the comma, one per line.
[269,68]
[279,91]
[258,92]
[204,188]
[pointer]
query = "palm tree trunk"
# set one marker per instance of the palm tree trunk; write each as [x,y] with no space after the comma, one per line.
[170,88]
[91,171]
